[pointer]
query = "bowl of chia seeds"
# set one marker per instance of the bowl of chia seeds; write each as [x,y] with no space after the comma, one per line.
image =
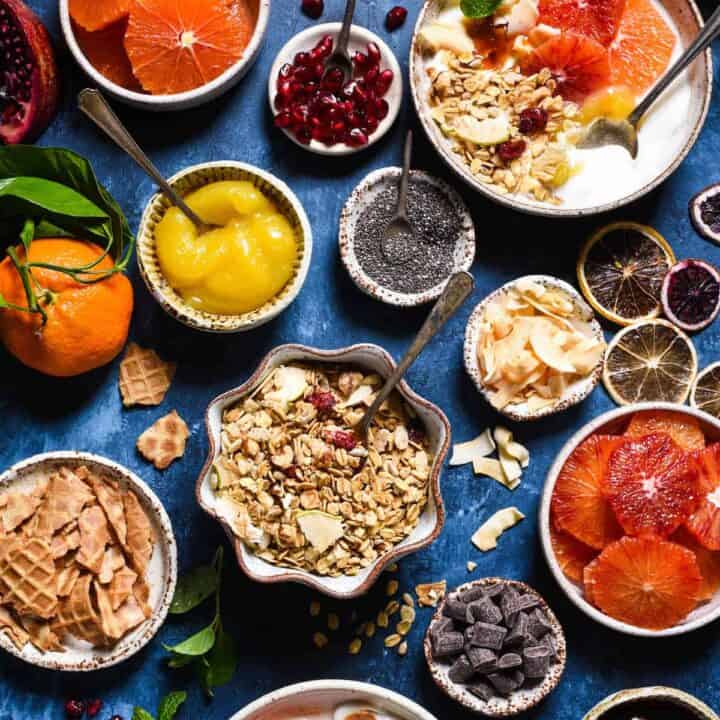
[443,242]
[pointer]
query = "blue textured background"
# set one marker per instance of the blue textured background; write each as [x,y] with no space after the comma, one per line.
[272,624]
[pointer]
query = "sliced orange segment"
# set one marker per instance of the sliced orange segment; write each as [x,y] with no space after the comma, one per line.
[572,555]
[708,561]
[683,429]
[98,14]
[704,523]
[597,19]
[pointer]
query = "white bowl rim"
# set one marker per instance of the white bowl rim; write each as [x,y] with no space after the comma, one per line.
[569,588]
[652,692]
[171,101]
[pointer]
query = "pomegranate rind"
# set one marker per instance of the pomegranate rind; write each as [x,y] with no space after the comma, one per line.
[596,19]
[684,429]
[645,581]
[572,556]
[704,523]
[708,561]
[579,506]
[652,485]
[709,285]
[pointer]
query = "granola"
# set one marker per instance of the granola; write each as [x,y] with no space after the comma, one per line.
[299,489]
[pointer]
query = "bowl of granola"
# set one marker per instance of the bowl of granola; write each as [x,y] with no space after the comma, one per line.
[300,498]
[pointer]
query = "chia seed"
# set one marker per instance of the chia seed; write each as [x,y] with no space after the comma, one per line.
[415,262]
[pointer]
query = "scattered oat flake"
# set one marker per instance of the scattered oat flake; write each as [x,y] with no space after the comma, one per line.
[355,646]
[429,594]
[144,376]
[333,621]
[370,629]
[407,613]
[382,619]
[403,627]
[393,567]
[392,587]
[486,536]
[393,640]
[402,648]
[320,639]
[164,441]
[314,608]
[408,599]
[392,607]
[471,565]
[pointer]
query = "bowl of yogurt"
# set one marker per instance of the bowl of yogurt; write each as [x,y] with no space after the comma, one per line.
[504,99]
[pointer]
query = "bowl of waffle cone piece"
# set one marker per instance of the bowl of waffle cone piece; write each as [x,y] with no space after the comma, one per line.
[88,562]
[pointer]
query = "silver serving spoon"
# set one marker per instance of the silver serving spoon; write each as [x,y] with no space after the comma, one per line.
[456,291]
[340,58]
[94,105]
[399,227]
[603,131]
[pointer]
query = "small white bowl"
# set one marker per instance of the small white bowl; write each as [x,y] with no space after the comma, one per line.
[574,393]
[679,698]
[431,520]
[323,695]
[161,575]
[365,194]
[359,38]
[195,177]
[613,422]
[176,101]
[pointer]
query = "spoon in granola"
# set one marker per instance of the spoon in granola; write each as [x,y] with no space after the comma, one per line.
[458,288]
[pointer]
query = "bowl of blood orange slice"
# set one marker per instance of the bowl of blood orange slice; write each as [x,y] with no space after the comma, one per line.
[630,519]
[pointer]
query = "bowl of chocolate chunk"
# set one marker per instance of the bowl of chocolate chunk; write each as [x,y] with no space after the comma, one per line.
[496,647]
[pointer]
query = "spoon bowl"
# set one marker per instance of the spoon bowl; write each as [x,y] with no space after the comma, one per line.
[400,227]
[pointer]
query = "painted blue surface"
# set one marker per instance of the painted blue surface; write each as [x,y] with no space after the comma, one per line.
[272,624]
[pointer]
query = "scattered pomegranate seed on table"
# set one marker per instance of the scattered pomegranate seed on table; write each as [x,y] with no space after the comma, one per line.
[74,708]
[313,8]
[395,18]
[94,707]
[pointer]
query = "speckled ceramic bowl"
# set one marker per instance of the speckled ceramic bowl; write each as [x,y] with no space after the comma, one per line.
[614,422]
[196,177]
[161,574]
[362,196]
[431,520]
[519,701]
[677,697]
[575,393]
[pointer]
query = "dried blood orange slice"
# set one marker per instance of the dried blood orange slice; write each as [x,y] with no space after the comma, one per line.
[98,14]
[572,555]
[597,19]
[708,561]
[704,523]
[579,506]
[652,485]
[705,393]
[179,45]
[683,429]
[646,582]
[579,64]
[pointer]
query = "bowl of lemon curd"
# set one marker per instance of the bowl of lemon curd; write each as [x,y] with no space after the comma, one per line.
[244,271]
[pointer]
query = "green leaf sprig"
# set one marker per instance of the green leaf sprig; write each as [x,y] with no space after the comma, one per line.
[476,9]
[167,710]
[211,651]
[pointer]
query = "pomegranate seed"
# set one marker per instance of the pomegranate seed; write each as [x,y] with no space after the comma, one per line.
[371,76]
[371,124]
[94,707]
[373,53]
[381,108]
[354,119]
[283,120]
[395,18]
[357,137]
[342,439]
[384,81]
[533,120]
[302,58]
[304,74]
[313,8]
[511,149]
[303,136]
[360,59]
[286,71]
[74,708]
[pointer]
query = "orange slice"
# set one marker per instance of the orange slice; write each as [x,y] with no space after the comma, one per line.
[572,555]
[179,45]
[646,582]
[642,47]
[98,14]
[683,429]
[704,523]
[708,561]
[596,19]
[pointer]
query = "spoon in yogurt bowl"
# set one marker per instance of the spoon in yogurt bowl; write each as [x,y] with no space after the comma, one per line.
[604,131]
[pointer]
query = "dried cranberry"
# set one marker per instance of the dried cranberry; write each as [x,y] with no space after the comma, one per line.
[395,18]
[291,471]
[533,120]
[323,401]
[94,707]
[74,708]
[313,8]
[342,439]
[511,149]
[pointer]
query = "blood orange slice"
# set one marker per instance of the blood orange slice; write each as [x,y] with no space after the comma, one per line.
[572,555]
[597,19]
[642,47]
[683,429]
[708,561]
[579,64]
[652,485]
[704,523]
[578,503]
[97,14]
[179,45]
[646,582]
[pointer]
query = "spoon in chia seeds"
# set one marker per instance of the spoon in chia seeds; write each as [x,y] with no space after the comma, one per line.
[399,230]
[340,58]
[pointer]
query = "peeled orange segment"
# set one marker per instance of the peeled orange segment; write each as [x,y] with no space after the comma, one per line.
[648,361]
[596,19]
[683,429]
[652,485]
[98,14]
[646,582]
[705,393]
[708,561]
[704,523]
[642,48]
[579,506]
[179,45]
[572,555]
[579,64]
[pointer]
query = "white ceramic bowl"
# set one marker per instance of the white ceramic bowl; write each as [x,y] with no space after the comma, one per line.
[365,194]
[359,38]
[321,695]
[431,520]
[574,393]
[161,573]
[679,698]
[195,177]
[177,101]
[614,422]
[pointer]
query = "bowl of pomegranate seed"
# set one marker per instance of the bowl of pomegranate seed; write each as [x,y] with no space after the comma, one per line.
[317,108]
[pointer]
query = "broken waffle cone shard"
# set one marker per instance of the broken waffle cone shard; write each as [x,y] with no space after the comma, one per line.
[66,496]
[140,533]
[94,537]
[110,499]
[27,575]
[144,376]
[164,441]
[12,629]
[77,614]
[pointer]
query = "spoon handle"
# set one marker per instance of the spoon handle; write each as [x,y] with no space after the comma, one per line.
[344,36]
[405,176]
[94,105]
[707,34]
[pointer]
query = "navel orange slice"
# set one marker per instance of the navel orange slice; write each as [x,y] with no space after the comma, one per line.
[683,429]
[572,555]
[98,14]
[708,561]
[596,19]
[704,523]
[646,582]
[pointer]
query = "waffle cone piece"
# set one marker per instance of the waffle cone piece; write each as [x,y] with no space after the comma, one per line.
[77,615]
[27,574]
[66,496]
[94,537]
[17,508]
[121,586]
[42,636]
[113,561]
[164,441]
[115,624]
[144,376]
[12,628]
[109,496]
[140,533]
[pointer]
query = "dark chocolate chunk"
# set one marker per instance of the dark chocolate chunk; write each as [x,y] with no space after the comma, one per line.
[510,605]
[539,625]
[447,644]
[507,683]
[474,593]
[536,661]
[549,642]
[484,661]
[455,608]
[481,690]
[520,633]
[461,670]
[492,591]
[509,661]
[484,610]
[487,636]
[527,602]
[442,625]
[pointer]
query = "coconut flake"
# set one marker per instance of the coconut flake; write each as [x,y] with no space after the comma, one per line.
[486,536]
[464,453]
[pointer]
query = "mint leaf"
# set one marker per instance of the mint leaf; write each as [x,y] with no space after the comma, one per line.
[197,644]
[193,588]
[222,659]
[170,704]
[180,661]
[476,9]
[140,714]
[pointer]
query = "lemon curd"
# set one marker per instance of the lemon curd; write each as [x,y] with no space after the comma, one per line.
[237,267]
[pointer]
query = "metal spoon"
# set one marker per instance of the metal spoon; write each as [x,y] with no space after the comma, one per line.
[458,287]
[94,105]
[399,227]
[340,58]
[603,131]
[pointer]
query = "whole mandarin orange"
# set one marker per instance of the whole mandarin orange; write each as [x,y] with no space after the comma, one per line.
[87,324]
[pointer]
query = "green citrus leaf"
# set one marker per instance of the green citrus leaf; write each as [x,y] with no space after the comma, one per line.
[197,644]
[476,9]
[193,588]
[140,714]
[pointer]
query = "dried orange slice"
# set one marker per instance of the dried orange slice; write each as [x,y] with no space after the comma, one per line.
[705,393]
[708,561]
[646,582]
[579,506]
[683,429]
[652,485]
[98,14]
[179,45]
[597,19]
[572,555]
[704,523]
